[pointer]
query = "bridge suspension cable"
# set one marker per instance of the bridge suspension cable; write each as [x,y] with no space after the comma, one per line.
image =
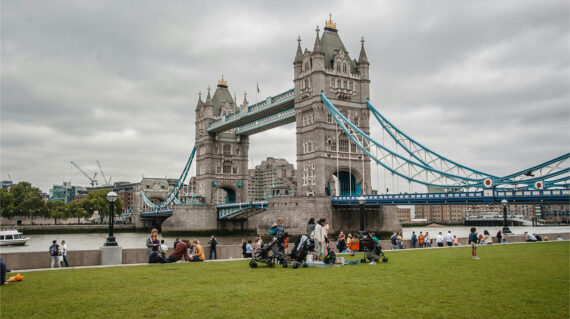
[172,195]
[446,174]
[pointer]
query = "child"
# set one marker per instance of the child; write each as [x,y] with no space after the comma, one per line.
[473,242]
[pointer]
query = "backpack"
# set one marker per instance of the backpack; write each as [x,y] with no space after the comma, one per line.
[272,231]
[312,235]
[53,250]
[330,258]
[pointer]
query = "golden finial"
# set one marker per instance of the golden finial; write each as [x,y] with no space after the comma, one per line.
[330,24]
[222,82]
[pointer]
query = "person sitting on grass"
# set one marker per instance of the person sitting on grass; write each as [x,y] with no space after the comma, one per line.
[354,246]
[180,251]
[199,251]
[473,241]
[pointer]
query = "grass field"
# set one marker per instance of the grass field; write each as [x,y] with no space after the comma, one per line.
[509,281]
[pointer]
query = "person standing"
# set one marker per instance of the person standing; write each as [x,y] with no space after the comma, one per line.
[248,249]
[319,239]
[243,245]
[427,240]
[310,226]
[213,243]
[64,253]
[54,253]
[421,240]
[393,241]
[473,242]
[399,241]
[449,238]
[414,239]
[499,236]
[439,240]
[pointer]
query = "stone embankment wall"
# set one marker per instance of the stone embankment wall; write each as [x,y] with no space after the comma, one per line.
[37,260]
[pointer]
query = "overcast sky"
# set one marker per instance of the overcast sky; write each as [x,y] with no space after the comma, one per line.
[485,83]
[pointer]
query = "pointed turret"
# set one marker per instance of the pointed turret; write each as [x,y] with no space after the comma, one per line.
[200,103]
[209,98]
[244,103]
[362,59]
[299,54]
[317,48]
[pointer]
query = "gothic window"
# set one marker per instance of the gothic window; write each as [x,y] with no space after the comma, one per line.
[227,149]
[218,168]
[227,168]
[216,150]
[306,66]
[332,83]
[350,85]
[336,83]
[306,83]
[237,150]
[352,147]
[343,145]
[234,170]
[344,68]
[338,67]
[329,118]
[343,85]
[355,121]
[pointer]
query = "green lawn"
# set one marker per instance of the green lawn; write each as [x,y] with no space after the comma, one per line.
[509,281]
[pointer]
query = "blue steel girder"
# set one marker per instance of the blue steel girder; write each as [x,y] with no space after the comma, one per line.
[157,213]
[240,210]
[268,107]
[553,196]
[277,119]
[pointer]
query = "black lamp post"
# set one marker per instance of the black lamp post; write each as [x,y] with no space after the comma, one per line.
[361,201]
[506,229]
[111,197]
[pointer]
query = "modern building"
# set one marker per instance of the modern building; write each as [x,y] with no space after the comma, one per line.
[64,193]
[273,177]
[7,184]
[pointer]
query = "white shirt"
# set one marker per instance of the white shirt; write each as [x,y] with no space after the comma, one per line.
[448,237]
[439,239]
[530,236]
[164,247]
[64,250]
[319,233]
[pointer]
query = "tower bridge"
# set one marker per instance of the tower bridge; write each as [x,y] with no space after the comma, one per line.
[330,105]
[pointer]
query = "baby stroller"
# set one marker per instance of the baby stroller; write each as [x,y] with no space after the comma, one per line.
[372,251]
[268,253]
[302,247]
[157,258]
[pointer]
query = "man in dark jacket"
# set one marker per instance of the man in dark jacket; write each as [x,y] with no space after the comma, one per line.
[213,242]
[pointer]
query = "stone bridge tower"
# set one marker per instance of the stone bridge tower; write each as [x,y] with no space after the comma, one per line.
[221,159]
[324,153]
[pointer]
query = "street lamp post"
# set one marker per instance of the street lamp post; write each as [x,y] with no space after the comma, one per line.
[506,229]
[111,197]
[361,201]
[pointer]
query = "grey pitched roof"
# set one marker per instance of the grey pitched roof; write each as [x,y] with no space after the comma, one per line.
[222,95]
[330,41]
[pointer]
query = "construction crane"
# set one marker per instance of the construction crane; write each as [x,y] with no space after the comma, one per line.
[107,182]
[92,180]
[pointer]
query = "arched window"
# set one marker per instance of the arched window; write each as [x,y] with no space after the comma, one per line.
[306,66]
[332,83]
[338,67]
[306,83]
[344,68]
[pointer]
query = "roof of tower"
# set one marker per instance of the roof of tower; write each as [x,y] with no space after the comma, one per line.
[317,46]
[299,54]
[330,42]
[363,58]
[221,96]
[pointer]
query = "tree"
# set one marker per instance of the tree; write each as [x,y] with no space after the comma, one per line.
[28,200]
[74,209]
[56,210]
[7,208]
[97,201]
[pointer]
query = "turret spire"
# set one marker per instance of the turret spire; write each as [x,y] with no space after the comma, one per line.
[363,58]
[299,55]
[317,47]
[209,97]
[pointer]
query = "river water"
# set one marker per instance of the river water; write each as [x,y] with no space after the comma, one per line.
[95,241]
[138,240]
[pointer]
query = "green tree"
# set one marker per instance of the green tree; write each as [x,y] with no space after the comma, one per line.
[28,200]
[74,209]
[7,208]
[56,209]
[97,201]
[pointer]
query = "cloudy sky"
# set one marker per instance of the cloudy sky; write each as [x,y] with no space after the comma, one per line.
[485,83]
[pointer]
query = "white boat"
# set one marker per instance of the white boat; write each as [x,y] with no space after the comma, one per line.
[12,237]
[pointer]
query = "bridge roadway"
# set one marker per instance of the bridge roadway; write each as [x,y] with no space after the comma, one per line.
[274,111]
[554,196]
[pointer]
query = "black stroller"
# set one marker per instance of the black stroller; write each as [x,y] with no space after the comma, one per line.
[270,252]
[372,251]
[302,247]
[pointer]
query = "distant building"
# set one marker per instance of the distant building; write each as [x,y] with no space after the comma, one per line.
[273,177]
[64,193]
[7,184]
